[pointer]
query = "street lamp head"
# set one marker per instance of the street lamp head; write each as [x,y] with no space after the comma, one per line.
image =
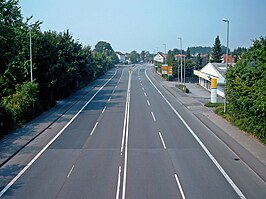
[225,20]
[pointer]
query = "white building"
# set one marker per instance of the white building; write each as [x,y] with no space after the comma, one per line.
[212,70]
[121,57]
[159,58]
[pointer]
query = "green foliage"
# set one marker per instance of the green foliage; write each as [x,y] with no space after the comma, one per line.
[21,101]
[134,57]
[6,120]
[198,62]
[200,49]
[60,66]
[182,88]
[238,52]
[246,90]
[106,49]
[209,104]
[217,51]
[188,55]
[170,59]
[142,56]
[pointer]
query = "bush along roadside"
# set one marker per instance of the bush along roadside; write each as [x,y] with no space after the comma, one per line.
[183,88]
[246,92]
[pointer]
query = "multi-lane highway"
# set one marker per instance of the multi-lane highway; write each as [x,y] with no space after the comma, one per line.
[129,138]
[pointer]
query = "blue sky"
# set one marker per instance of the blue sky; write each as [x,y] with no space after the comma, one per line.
[148,24]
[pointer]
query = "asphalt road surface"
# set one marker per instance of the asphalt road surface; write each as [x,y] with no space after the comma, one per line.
[129,138]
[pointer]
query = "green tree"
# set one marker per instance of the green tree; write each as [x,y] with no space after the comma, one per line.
[238,52]
[103,47]
[21,101]
[61,65]
[6,118]
[217,51]
[246,90]
[176,51]
[200,49]
[106,49]
[198,62]
[170,59]
[134,57]
[188,55]
[148,57]
[142,55]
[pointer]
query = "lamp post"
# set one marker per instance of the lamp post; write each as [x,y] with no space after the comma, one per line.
[31,75]
[181,60]
[227,42]
[164,53]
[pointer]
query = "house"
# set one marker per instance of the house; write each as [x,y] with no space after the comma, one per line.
[160,57]
[178,56]
[209,71]
[231,59]
[121,57]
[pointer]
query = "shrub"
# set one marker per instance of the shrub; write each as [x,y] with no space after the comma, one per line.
[246,90]
[6,120]
[21,102]
[183,88]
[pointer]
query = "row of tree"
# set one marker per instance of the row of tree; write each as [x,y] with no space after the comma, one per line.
[144,56]
[246,90]
[61,65]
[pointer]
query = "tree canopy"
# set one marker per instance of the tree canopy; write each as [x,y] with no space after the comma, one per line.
[217,51]
[61,65]
[246,90]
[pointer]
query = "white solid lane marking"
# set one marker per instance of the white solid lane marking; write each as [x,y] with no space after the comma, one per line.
[94,128]
[126,139]
[70,171]
[180,187]
[109,99]
[148,102]
[153,116]
[103,110]
[118,183]
[145,94]
[164,146]
[46,146]
[229,180]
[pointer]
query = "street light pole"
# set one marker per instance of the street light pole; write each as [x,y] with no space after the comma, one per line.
[31,75]
[164,53]
[181,60]
[227,42]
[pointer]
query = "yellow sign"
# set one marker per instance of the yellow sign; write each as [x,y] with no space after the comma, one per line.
[167,70]
[170,70]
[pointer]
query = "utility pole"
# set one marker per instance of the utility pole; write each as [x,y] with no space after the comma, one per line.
[181,60]
[227,43]
[31,75]
[164,53]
